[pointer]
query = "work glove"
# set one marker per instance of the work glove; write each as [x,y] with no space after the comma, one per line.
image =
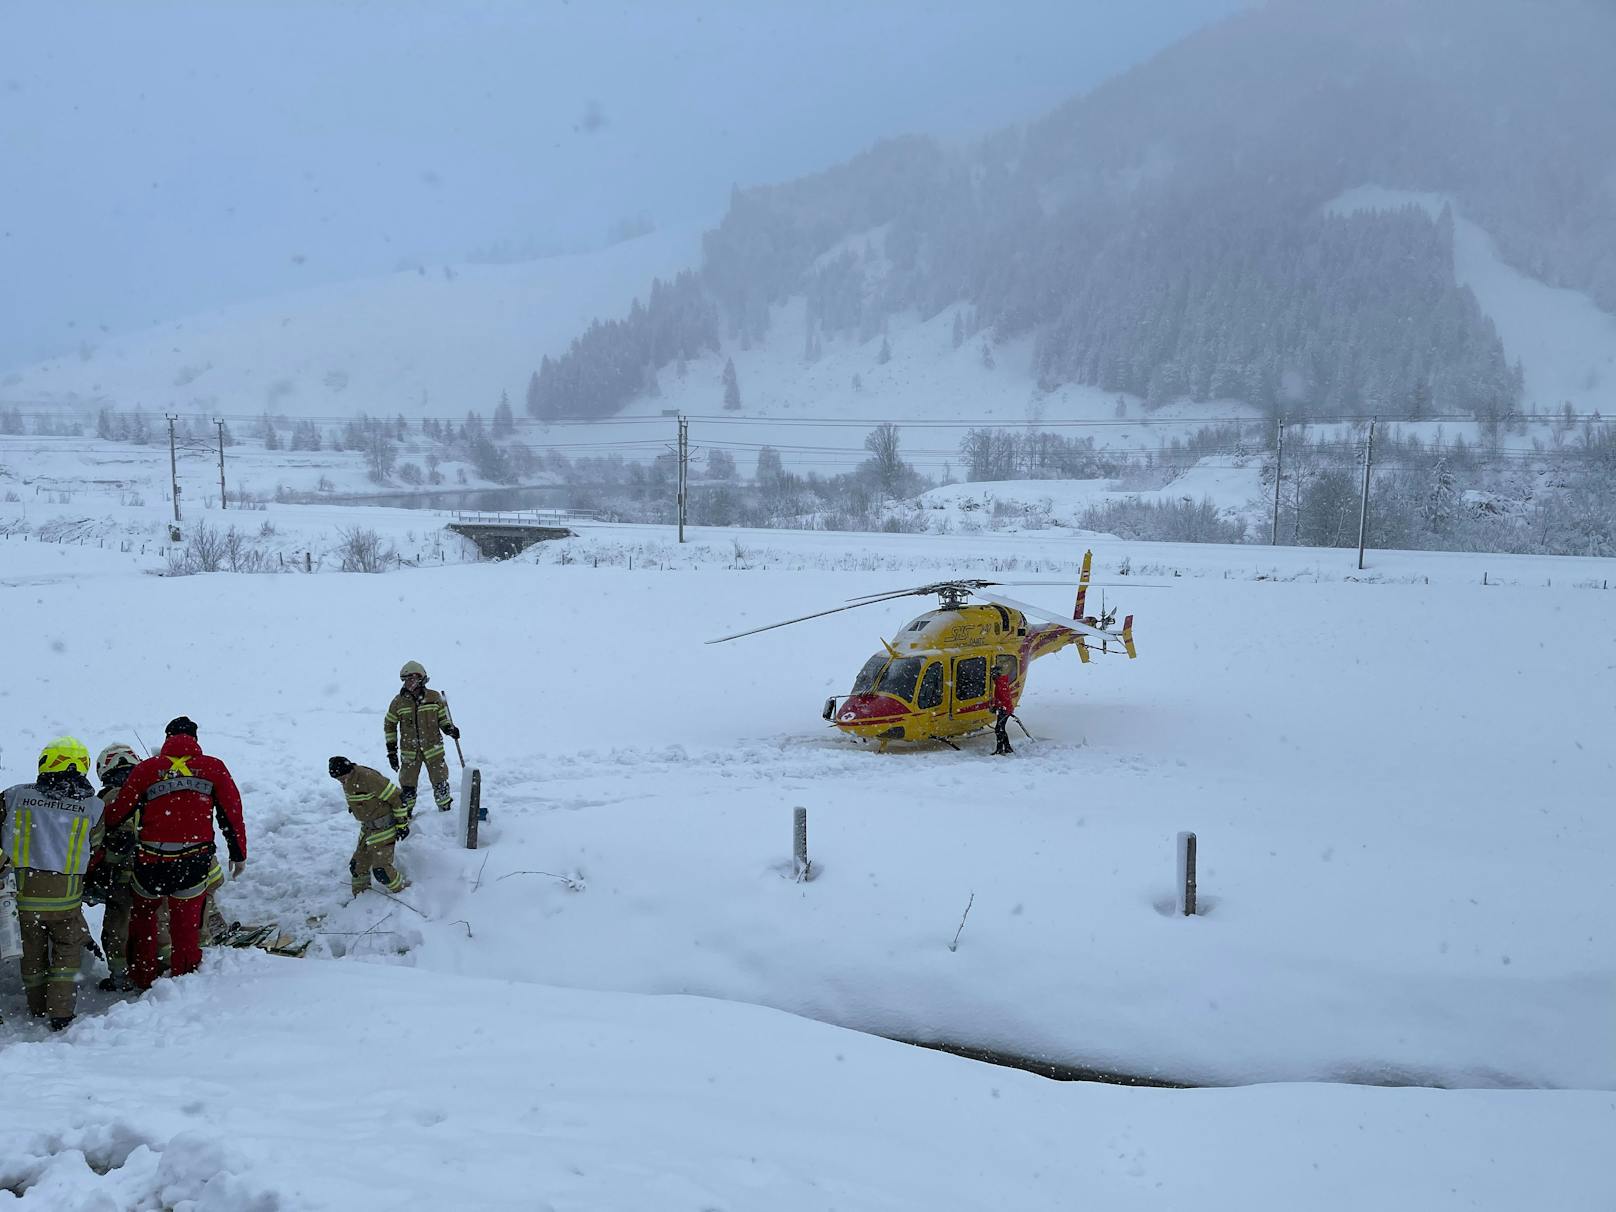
[237,866]
[402,832]
[392,758]
[98,884]
[451,731]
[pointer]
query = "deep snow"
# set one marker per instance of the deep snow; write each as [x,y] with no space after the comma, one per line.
[1397,782]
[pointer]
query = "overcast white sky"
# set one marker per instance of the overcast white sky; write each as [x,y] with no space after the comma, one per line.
[160,158]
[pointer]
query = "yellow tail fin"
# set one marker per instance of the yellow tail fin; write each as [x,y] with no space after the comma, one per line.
[1083,585]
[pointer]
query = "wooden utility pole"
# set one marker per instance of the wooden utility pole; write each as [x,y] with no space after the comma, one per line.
[1363,507]
[220,423]
[173,466]
[1279,455]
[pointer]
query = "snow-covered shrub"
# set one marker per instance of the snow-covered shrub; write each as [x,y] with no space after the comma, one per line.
[362,550]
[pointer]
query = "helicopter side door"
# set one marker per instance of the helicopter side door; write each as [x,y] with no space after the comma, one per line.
[970,686]
[930,695]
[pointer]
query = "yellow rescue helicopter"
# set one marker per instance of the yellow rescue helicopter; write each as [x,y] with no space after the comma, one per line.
[934,682]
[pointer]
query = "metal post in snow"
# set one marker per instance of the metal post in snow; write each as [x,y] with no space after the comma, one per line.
[1279,455]
[1186,874]
[799,843]
[1363,508]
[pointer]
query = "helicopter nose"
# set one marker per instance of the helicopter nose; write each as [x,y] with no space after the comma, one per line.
[870,709]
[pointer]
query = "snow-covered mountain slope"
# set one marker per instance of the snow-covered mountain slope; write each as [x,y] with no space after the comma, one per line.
[818,413]
[1565,342]
[437,342]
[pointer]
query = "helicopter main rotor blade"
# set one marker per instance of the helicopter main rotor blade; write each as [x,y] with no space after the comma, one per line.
[818,614]
[975,585]
[1128,584]
[1049,616]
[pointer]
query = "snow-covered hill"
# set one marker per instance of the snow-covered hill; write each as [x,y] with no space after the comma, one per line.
[436,342]
[1564,341]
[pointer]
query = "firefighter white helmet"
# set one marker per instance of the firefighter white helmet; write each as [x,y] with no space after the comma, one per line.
[113,756]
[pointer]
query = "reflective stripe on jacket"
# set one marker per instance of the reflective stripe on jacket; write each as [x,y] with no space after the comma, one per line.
[375,803]
[51,830]
[415,725]
[178,792]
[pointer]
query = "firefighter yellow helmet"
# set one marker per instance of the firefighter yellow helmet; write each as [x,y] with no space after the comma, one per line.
[413,667]
[64,753]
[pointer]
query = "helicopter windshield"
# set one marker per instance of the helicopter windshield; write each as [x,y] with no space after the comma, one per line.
[900,677]
[865,682]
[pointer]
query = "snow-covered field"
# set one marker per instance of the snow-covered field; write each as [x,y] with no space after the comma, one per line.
[1399,779]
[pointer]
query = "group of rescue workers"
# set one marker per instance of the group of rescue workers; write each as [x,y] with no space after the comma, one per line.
[143,845]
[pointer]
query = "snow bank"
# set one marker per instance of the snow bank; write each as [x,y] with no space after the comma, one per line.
[267,1084]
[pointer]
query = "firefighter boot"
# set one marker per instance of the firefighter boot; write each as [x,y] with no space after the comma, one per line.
[441,793]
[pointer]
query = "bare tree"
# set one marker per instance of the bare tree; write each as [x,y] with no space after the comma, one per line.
[882,443]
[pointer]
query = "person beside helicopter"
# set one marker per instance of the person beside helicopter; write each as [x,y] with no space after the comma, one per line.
[1004,706]
[417,720]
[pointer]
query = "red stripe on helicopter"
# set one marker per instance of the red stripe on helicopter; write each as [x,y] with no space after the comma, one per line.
[871,709]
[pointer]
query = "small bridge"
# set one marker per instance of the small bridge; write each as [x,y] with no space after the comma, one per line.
[499,536]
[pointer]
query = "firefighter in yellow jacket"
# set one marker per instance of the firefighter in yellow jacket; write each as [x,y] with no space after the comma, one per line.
[383,820]
[417,721]
[50,829]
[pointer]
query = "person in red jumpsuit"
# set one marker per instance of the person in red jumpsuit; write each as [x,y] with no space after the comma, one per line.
[1004,704]
[177,792]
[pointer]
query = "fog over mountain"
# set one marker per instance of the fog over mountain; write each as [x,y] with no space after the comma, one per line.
[1171,234]
[168,158]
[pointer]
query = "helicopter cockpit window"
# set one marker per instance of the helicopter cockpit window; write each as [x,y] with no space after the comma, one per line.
[970,678]
[919,624]
[931,687]
[901,676]
[865,682]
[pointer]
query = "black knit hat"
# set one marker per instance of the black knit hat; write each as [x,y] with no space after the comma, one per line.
[180,725]
[338,767]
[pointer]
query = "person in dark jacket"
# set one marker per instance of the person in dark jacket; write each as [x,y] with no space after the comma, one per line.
[177,792]
[1004,705]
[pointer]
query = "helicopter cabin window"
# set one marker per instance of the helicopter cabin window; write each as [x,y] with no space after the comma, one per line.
[931,687]
[970,678]
[919,624]
[1010,665]
[865,682]
[900,677]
